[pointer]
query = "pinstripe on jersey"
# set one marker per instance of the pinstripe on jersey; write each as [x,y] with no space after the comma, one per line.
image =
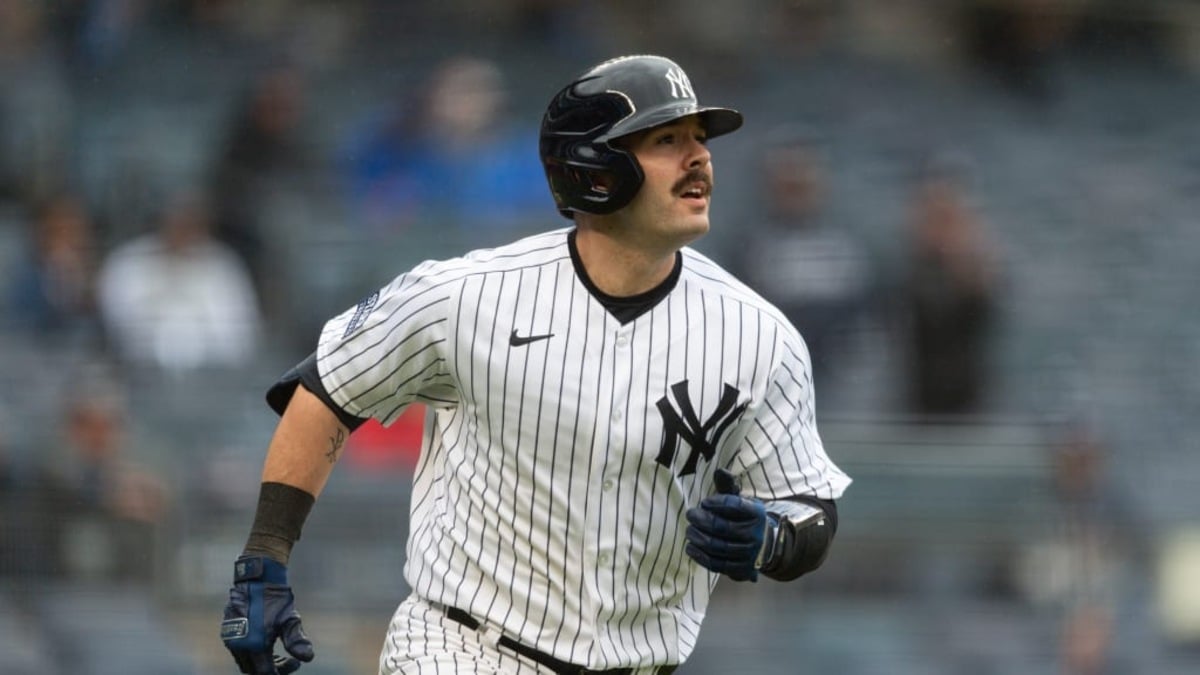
[538,503]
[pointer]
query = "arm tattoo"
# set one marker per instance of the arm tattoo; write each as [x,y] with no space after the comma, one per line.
[335,445]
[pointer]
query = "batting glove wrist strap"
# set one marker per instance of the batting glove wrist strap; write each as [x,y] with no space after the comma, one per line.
[261,610]
[256,568]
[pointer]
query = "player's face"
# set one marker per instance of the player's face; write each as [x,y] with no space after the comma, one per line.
[672,204]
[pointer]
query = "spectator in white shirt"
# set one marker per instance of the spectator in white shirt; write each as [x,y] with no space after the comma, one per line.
[177,299]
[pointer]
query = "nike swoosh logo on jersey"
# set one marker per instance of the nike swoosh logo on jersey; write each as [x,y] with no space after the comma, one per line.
[518,341]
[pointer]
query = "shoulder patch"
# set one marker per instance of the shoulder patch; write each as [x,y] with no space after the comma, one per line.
[361,312]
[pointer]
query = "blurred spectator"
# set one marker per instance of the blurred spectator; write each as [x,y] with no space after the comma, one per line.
[948,298]
[52,291]
[1085,557]
[263,152]
[809,265]
[1017,41]
[93,510]
[452,158]
[35,104]
[176,298]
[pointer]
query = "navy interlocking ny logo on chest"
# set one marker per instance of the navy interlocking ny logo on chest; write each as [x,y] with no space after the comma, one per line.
[680,422]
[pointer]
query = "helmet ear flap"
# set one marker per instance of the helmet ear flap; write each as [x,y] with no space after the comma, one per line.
[595,189]
[585,172]
[626,179]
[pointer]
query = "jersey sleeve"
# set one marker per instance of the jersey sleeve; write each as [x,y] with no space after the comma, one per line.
[388,351]
[782,453]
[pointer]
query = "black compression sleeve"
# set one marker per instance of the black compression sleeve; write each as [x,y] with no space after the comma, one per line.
[306,373]
[282,510]
[802,550]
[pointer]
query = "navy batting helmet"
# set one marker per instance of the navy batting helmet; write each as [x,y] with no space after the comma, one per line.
[586,171]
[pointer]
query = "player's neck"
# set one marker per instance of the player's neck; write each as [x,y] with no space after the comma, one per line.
[618,268]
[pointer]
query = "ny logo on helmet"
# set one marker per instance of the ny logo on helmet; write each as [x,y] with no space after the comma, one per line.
[681,87]
[680,422]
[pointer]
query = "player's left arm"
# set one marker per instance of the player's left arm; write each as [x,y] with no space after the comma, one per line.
[774,510]
[740,536]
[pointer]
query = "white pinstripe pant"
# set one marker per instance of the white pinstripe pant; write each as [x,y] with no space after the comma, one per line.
[421,640]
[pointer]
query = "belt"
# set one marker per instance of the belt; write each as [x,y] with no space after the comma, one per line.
[559,667]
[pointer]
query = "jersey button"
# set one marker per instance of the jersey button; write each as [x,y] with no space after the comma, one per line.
[602,558]
[622,340]
[608,485]
[616,415]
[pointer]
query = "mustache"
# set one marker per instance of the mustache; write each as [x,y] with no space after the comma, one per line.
[693,176]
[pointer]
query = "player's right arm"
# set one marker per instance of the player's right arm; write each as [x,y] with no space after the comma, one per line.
[306,444]
[371,361]
[300,457]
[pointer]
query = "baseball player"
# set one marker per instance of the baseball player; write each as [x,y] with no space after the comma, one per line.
[616,422]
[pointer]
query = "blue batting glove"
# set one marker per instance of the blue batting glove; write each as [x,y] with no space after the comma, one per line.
[262,609]
[731,534]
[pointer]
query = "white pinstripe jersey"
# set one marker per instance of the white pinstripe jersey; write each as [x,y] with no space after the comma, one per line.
[550,495]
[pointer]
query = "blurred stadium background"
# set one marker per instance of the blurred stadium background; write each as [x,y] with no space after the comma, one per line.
[998,195]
